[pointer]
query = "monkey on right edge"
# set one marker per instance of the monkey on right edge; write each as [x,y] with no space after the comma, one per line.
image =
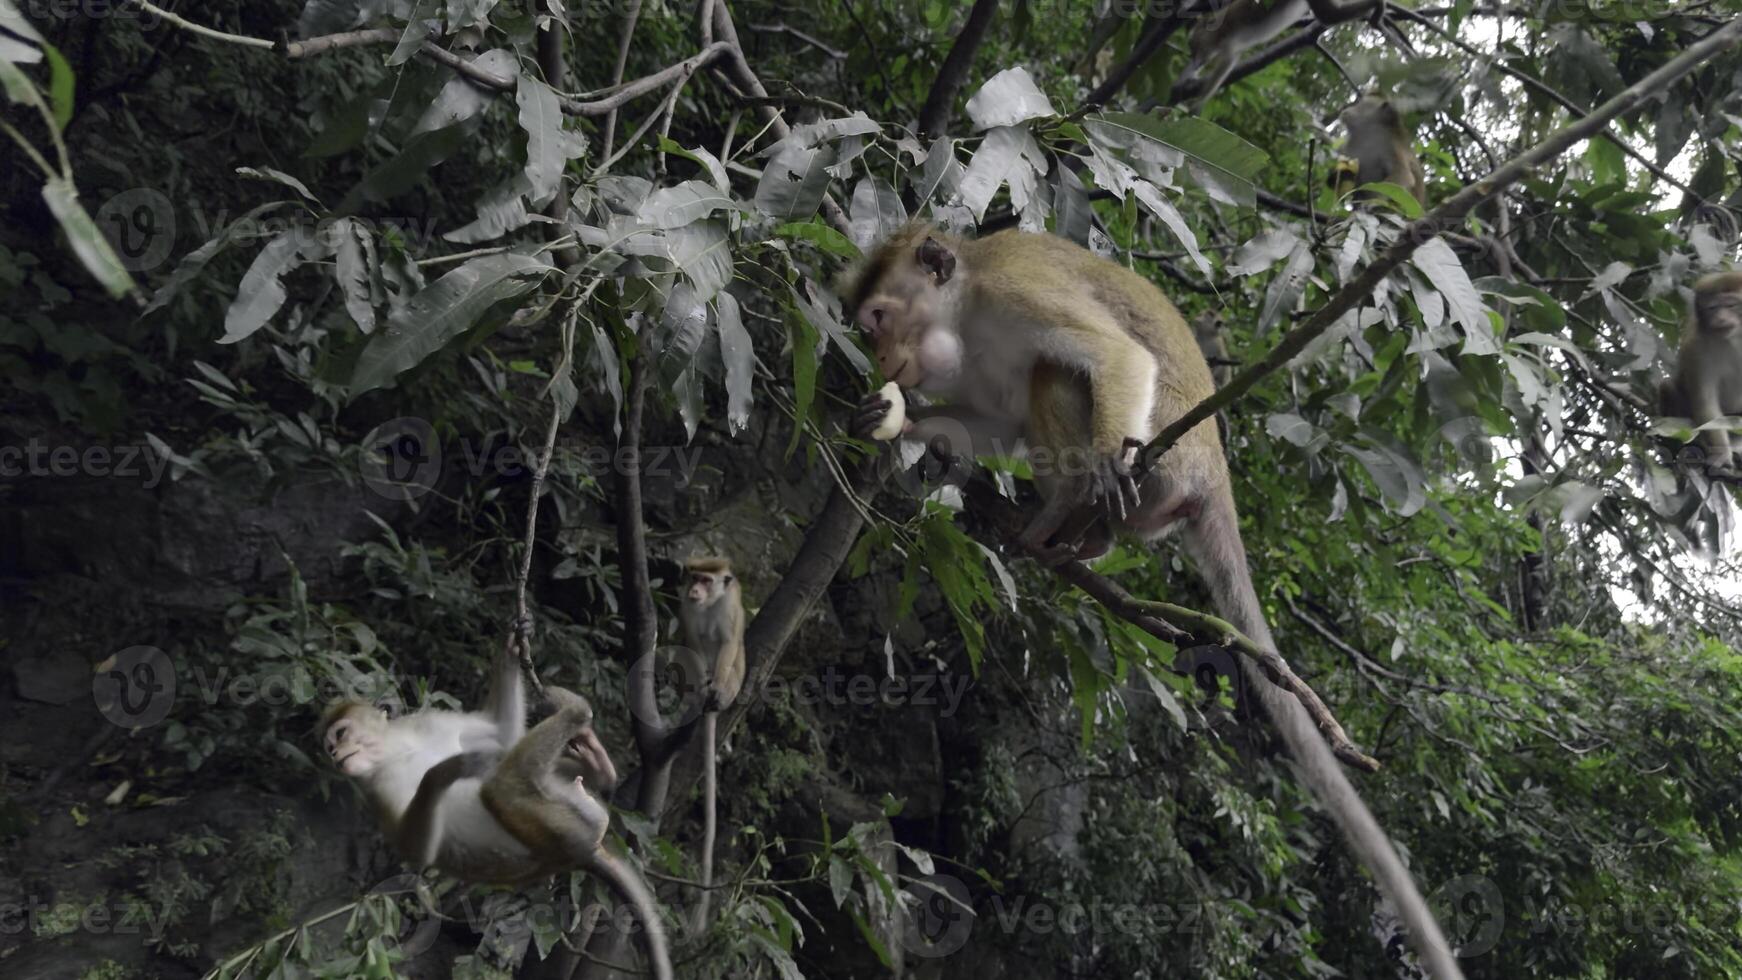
[1379,148]
[1707,382]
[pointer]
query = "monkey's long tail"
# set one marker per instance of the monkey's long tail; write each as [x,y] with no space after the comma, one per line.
[615,868]
[710,775]
[1214,541]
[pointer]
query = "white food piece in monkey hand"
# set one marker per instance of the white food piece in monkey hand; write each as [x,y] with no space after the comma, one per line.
[896,420]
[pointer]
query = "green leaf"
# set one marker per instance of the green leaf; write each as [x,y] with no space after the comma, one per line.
[195,262]
[822,236]
[278,177]
[1008,98]
[1393,194]
[1233,162]
[60,87]
[716,170]
[738,357]
[261,293]
[683,204]
[806,345]
[443,310]
[549,143]
[87,242]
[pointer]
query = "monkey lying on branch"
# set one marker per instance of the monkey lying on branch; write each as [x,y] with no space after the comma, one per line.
[1039,344]
[476,795]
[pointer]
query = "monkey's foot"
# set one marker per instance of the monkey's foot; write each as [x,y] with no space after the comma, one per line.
[1112,484]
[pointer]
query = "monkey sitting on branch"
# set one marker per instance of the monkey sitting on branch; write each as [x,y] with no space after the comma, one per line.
[476,795]
[1707,383]
[712,617]
[1378,149]
[1042,347]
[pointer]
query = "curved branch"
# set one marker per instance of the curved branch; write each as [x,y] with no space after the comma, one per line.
[940,103]
[1428,227]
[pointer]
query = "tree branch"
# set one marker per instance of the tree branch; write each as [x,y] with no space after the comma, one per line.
[630,18]
[1428,226]
[1155,34]
[1177,625]
[940,103]
[1565,103]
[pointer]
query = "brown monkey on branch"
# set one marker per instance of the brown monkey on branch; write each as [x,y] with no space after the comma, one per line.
[1707,382]
[712,616]
[1033,338]
[470,794]
[1379,148]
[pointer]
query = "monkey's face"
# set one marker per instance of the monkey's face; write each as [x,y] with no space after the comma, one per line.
[354,738]
[909,316]
[1720,313]
[1371,112]
[706,588]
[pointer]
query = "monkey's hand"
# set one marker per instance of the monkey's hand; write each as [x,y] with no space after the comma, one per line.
[1113,482]
[872,410]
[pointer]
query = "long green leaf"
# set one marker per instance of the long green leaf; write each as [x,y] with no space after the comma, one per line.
[88,243]
[442,311]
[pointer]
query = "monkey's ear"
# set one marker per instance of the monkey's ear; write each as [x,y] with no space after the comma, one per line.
[936,259]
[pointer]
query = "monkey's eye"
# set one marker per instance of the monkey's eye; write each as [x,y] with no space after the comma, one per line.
[726,581]
[339,732]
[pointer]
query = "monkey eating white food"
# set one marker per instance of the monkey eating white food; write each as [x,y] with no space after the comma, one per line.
[895,419]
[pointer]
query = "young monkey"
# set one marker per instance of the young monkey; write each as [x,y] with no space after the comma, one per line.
[1707,382]
[712,617]
[1378,149]
[1033,337]
[468,793]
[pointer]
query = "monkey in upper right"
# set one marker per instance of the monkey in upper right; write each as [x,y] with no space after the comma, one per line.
[1707,382]
[1378,149]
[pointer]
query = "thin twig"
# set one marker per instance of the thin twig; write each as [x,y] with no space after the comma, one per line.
[193,28]
[630,17]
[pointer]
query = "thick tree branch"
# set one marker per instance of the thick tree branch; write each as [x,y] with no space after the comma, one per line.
[940,103]
[1156,31]
[1420,231]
